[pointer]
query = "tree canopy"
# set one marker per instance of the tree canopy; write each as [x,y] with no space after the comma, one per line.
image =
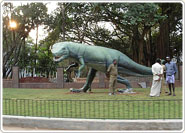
[143,31]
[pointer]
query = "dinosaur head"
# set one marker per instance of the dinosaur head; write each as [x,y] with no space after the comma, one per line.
[60,51]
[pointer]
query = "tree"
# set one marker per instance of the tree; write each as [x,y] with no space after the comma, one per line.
[135,21]
[12,39]
[26,21]
[136,27]
[143,31]
[58,22]
[169,29]
[37,12]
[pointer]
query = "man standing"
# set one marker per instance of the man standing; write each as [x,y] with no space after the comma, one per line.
[157,71]
[163,62]
[171,70]
[113,71]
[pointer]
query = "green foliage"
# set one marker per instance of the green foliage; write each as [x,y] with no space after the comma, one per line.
[34,13]
[140,30]
[17,49]
[146,14]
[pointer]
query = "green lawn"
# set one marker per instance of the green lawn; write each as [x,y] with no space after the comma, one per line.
[98,104]
[98,94]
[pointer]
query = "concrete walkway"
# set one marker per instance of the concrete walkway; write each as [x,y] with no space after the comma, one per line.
[91,124]
[14,128]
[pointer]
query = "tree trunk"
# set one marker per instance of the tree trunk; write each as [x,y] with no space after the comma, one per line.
[148,48]
[4,72]
[163,40]
[36,45]
[141,51]
[137,46]
[63,23]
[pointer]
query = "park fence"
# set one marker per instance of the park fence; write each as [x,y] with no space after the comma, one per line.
[95,109]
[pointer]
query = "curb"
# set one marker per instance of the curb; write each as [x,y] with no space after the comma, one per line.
[91,124]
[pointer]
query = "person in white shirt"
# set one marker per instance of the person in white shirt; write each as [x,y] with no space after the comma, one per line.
[157,71]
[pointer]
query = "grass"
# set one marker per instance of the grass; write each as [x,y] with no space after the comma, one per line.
[98,94]
[98,104]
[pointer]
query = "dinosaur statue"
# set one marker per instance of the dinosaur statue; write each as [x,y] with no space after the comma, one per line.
[98,59]
[69,70]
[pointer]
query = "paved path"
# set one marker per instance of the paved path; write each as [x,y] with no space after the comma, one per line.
[12,128]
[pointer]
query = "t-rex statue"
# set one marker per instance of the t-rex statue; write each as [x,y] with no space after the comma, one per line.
[98,59]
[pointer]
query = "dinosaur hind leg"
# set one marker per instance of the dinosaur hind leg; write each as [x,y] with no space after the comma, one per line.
[124,81]
[90,77]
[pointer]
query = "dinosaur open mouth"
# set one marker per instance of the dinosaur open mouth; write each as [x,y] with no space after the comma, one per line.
[56,57]
[59,58]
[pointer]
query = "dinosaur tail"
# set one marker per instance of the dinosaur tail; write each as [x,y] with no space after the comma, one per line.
[135,67]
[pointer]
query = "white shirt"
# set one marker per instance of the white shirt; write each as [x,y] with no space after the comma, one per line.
[156,69]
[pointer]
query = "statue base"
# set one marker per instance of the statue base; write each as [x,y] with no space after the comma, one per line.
[126,91]
[75,90]
[122,91]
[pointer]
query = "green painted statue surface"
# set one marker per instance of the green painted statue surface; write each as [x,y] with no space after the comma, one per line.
[98,59]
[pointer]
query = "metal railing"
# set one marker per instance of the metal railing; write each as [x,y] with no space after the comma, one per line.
[95,109]
[37,72]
